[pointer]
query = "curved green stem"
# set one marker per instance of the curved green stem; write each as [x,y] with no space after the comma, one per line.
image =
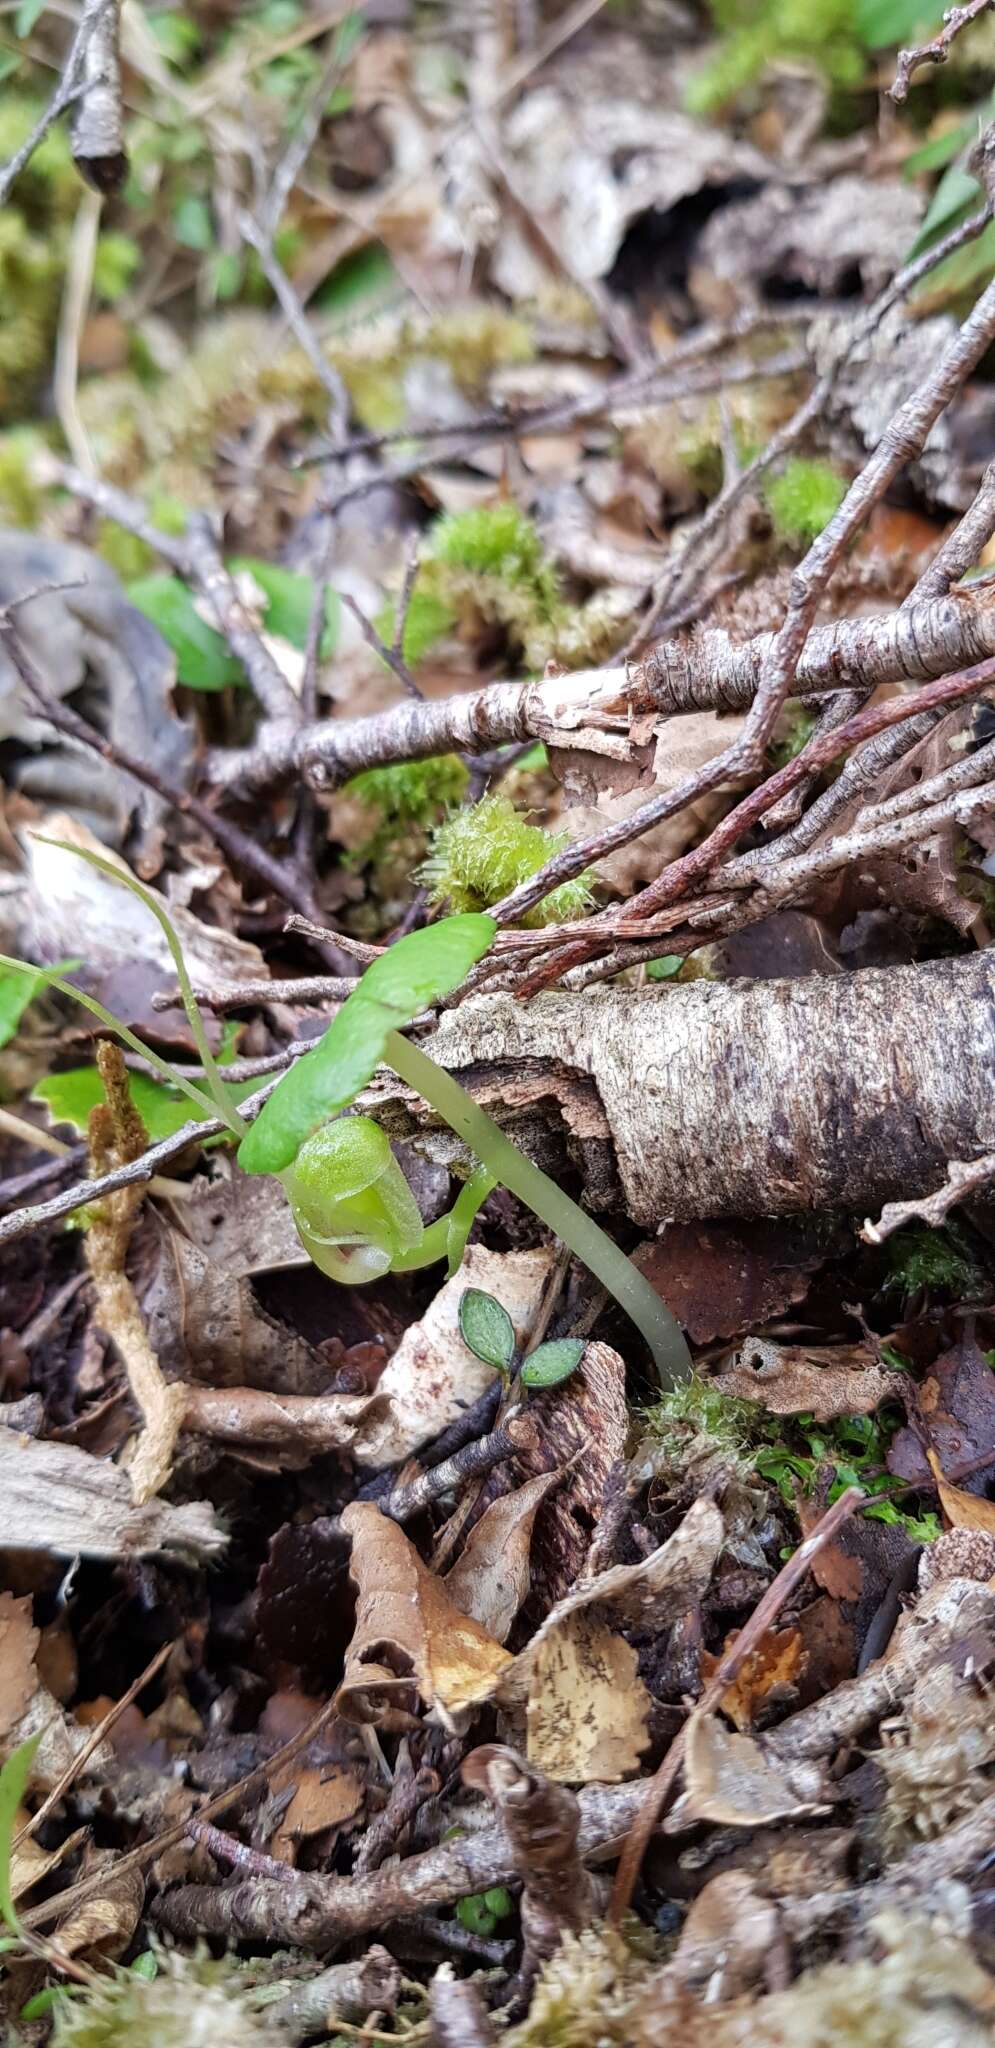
[219,1098]
[586,1239]
[169,1073]
[446,1237]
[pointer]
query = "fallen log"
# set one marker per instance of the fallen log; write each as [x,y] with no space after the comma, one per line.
[744,1098]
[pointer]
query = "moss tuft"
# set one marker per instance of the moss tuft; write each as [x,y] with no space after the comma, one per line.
[191,2002]
[802,500]
[920,1260]
[484,852]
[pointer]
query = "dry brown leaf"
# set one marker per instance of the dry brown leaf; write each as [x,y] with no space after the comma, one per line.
[588,1709]
[962,1510]
[29,1863]
[583,1425]
[410,1642]
[832,1567]
[776,1661]
[104,1925]
[648,1595]
[491,1578]
[791,1379]
[433,1375]
[18,1648]
[205,1324]
[324,1798]
[729,1780]
[54,1497]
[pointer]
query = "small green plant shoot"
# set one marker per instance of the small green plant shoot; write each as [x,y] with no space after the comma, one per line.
[487,1329]
[353,1209]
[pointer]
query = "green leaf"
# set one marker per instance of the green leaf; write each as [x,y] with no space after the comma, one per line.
[146,1965]
[499,1901]
[193,223]
[475,1915]
[940,150]
[70,1096]
[665,968]
[348,36]
[27,14]
[881,23]
[551,1363]
[956,193]
[487,1329]
[19,987]
[412,974]
[367,275]
[289,598]
[44,2002]
[202,658]
[13,1782]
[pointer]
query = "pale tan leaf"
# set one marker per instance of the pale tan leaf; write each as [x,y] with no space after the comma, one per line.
[962,1510]
[18,1648]
[410,1641]
[433,1375]
[828,1380]
[729,1780]
[29,1863]
[648,1595]
[491,1578]
[104,1925]
[588,1709]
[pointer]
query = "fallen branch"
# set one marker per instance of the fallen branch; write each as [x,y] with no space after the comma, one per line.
[749,1098]
[707,671]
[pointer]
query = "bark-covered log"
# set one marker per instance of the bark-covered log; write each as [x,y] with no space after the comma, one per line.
[748,1098]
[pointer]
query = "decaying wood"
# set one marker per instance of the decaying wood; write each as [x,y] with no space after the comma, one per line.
[753,1098]
[54,1497]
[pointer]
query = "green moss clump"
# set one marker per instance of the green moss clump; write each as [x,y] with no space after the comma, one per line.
[473,342]
[21,498]
[484,852]
[406,793]
[191,2002]
[693,1423]
[753,32]
[920,1260]
[33,235]
[802,500]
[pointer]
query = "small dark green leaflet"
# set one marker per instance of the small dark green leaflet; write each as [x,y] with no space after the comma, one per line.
[487,1329]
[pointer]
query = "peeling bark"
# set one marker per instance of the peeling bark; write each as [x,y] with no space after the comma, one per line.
[755,1098]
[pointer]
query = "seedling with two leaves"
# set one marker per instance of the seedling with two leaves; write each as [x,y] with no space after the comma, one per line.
[488,1331]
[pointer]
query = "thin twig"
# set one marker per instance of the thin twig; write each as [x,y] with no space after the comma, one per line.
[910,61]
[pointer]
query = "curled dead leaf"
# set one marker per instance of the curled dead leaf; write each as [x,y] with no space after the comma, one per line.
[729,1780]
[411,1641]
[491,1577]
